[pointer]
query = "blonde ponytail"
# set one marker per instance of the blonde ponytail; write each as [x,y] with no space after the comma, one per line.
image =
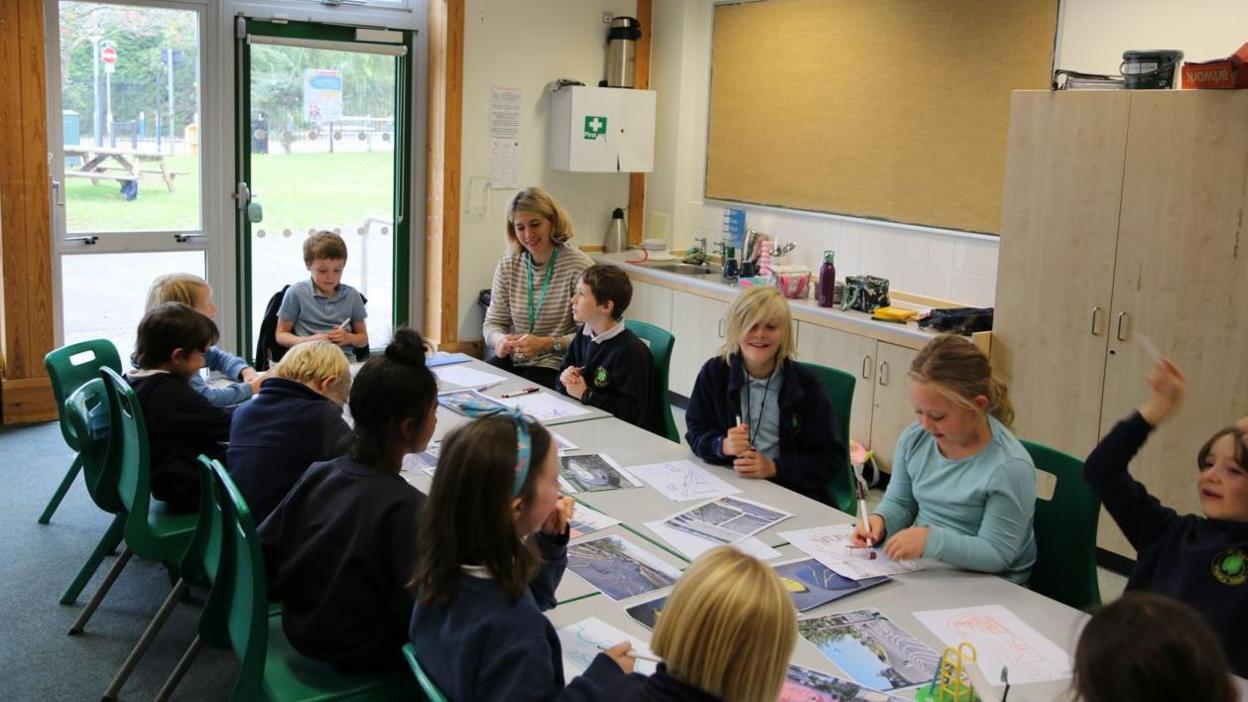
[961,371]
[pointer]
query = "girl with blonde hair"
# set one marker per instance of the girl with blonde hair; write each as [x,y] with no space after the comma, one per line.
[757,409]
[963,489]
[726,633]
[194,292]
[529,323]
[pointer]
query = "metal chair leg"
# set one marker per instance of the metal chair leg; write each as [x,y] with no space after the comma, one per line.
[108,542]
[81,621]
[145,640]
[179,671]
[63,488]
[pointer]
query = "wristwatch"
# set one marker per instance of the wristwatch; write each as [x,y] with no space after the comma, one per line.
[557,346]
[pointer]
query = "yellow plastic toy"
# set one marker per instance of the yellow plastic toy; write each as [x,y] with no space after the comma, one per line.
[951,682]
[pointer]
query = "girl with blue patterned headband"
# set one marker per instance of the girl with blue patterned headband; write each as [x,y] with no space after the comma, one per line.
[493,549]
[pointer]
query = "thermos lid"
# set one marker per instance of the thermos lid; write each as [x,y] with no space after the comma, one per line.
[624,28]
[617,213]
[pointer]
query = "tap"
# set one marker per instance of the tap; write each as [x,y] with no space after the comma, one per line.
[782,250]
[697,254]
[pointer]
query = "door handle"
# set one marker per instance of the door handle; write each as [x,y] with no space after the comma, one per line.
[721,328]
[58,198]
[883,372]
[866,367]
[1122,316]
[1096,312]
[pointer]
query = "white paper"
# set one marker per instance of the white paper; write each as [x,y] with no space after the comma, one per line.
[545,407]
[587,520]
[726,520]
[504,137]
[1000,639]
[692,546]
[683,480]
[565,444]
[467,377]
[581,642]
[827,545]
[504,163]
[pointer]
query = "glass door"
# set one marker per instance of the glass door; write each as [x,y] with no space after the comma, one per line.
[124,99]
[322,144]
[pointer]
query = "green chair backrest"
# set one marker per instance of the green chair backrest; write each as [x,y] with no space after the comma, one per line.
[74,364]
[245,595]
[203,555]
[427,686]
[86,415]
[1065,528]
[661,343]
[839,387]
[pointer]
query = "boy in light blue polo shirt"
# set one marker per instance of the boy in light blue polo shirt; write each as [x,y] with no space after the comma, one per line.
[322,307]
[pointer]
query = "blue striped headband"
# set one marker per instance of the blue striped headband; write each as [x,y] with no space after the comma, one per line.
[524,444]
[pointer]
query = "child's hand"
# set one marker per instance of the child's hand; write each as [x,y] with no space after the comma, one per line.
[569,374]
[336,335]
[1167,384]
[619,654]
[249,374]
[907,545]
[737,441]
[859,539]
[255,381]
[557,522]
[575,385]
[752,464]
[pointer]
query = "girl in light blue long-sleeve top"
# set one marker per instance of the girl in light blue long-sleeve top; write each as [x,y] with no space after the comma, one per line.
[963,489]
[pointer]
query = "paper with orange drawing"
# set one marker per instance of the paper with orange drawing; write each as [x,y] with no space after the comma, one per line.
[1000,639]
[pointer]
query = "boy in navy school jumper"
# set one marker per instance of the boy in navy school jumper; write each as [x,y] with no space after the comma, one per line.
[1201,561]
[500,551]
[341,547]
[607,365]
[755,408]
[322,306]
[181,423]
[295,421]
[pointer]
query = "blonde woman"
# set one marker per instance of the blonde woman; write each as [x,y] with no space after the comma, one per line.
[295,421]
[726,633]
[194,292]
[755,408]
[529,323]
[963,489]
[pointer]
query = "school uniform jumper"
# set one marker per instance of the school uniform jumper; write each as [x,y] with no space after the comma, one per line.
[275,437]
[340,550]
[181,424]
[660,687]
[618,371]
[979,510]
[485,646]
[812,451]
[1200,562]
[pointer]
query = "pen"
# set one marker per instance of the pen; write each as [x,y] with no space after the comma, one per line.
[521,391]
[633,654]
[862,502]
[344,324]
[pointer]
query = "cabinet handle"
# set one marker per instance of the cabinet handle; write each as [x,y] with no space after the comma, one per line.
[721,328]
[866,367]
[1096,312]
[883,372]
[1122,316]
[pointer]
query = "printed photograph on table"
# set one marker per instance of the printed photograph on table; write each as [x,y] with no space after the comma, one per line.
[593,472]
[812,583]
[459,400]
[647,613]
[806,685]
[871,649]
[618,568]
[726,520]
[583,641]
[587,520]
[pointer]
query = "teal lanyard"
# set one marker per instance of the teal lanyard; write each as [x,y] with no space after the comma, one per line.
[550,270]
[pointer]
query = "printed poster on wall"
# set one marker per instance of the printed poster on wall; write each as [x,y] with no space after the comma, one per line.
[322,95]
[504,137]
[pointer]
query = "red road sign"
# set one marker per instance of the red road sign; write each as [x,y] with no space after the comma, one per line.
[108,54]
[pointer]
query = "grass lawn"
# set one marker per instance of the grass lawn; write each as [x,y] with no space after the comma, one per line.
[297,191]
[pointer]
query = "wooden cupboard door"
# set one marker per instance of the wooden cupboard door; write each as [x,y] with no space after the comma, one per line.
[1181,280]
[892,411]
[698,323]
[651,303]
[1063,185]
[853,354]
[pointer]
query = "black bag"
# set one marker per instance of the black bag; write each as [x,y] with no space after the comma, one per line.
[959,320]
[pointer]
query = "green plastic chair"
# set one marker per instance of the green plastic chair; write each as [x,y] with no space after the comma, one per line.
[661,343]
[427,686]
[68,368]
[85,414]
[150,532]
[1065,527]
[199,564]
[269,667]
[839,386]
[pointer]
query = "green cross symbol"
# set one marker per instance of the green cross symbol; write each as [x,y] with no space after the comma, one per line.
[595,126]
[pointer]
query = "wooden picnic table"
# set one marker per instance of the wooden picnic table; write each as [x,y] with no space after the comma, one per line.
[121,165]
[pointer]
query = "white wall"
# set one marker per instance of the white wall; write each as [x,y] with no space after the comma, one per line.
[526,45]
[1092,36]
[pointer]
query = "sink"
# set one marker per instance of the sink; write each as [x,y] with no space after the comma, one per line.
[681,268]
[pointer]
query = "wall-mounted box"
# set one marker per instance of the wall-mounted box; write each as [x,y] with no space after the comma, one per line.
[602,130]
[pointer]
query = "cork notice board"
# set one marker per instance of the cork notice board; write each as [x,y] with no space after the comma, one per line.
[888,109]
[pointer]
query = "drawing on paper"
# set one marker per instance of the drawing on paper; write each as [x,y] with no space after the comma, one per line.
[683,480]
[827,545]
[618,568]
[870,648]
[1000,639]
[581,641]
[806,685]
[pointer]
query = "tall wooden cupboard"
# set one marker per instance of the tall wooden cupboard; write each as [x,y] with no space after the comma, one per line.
[1124,218]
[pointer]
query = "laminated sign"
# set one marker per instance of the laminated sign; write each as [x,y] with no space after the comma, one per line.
[595,127]
[322,95]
